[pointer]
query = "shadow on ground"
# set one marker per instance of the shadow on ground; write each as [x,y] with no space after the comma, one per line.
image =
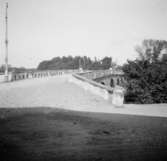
[43,134]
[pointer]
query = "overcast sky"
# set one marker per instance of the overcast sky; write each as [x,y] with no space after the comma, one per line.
[43,29]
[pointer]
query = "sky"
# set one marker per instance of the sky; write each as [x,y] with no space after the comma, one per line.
[42,29]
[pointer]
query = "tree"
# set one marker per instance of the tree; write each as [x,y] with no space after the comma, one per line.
[147,75]
[151,50]
[106,62]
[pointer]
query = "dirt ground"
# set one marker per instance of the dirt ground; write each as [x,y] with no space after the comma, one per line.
[43,134]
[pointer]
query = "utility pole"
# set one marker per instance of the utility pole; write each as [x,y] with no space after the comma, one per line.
[6,44]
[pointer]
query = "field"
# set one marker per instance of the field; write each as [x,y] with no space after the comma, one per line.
[43,134]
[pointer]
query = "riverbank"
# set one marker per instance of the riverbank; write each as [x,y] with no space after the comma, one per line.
[43,134]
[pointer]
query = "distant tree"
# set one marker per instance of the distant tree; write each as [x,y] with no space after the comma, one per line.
[151,50]
[13,69]
[147,75]
[43,65]
[69,62]
[2,68]
[106,62]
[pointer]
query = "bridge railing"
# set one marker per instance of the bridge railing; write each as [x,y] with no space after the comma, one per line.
[13,76]
[94,74]
[116,94]
[80,77]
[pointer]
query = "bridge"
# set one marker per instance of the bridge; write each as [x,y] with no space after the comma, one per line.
[107,83]
[105,77]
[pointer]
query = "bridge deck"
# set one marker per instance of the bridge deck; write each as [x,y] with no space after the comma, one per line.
[59,92]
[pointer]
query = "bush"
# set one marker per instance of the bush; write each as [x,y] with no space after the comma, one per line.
[147,75]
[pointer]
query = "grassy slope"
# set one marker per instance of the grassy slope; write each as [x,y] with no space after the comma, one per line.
[42,134]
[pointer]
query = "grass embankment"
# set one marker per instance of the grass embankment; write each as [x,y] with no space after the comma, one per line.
[42,134]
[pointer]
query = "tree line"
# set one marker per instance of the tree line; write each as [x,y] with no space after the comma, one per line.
[70,62]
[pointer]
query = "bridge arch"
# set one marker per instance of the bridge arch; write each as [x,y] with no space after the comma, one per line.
[102,83]
[112,82]
[118,81]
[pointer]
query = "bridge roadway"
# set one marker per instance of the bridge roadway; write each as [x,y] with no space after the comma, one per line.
[59,92]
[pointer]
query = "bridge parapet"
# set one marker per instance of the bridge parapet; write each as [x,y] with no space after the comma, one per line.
[115,94]
[108,77]
[94,74]
[34,74]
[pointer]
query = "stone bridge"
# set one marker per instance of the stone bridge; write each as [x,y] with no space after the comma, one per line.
[111,83]
[106,82]
[106,77]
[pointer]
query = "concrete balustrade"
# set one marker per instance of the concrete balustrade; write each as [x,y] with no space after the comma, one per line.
[34,74]
[107,77]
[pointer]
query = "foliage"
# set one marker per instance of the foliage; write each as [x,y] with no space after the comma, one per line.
[14,69]
[147,75]
[70,62]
